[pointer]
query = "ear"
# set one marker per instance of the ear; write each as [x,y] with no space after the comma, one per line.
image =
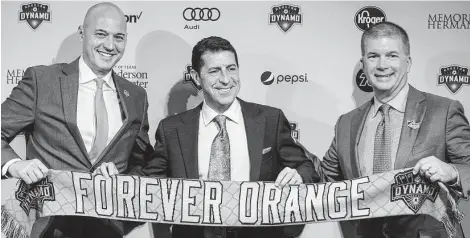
[409,62]
[196,78]
[361,63]
[80,33]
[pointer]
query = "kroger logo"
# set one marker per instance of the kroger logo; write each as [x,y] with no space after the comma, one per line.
[368,16]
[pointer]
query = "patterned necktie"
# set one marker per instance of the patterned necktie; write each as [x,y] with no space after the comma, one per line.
[219,166]
[101,123]
[383,143]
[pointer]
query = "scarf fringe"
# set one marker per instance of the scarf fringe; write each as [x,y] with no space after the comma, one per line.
[11,228]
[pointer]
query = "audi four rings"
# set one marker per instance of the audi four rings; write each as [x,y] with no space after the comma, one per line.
[201,14]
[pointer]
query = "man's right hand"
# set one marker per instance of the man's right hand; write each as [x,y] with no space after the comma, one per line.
[29,171]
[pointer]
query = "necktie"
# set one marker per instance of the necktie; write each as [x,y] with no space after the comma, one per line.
[383,143]
[101,123]
[219,166]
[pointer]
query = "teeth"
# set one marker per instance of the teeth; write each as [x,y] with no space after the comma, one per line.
[105,54]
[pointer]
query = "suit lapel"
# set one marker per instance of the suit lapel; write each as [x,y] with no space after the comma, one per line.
[125,103]
[254,127]
[357,125]
[69,90]
[188,138]
[415,110]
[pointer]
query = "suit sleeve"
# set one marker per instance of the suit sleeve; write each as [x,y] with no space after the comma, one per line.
[142,148]
[18,112]
[157,163]
[330,166]
[458,143]
[291,154]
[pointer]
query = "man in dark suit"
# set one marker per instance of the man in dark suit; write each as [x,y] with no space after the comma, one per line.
[400,127]
[226,138]
[79,117]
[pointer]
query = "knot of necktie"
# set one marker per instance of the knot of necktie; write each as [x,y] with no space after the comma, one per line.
[384,109]
[99,83]
[220,120]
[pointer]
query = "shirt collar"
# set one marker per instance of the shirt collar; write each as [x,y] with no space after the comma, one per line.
[87,75]
[398,102]
[234,113]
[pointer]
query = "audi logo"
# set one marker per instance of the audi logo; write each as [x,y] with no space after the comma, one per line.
[201,14]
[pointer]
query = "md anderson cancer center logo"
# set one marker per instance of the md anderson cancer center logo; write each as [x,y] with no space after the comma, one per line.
[412,190]
[34,14]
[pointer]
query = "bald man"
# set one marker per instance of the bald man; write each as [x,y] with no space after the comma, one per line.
[79,117]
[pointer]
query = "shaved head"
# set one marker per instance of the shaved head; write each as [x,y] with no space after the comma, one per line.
[104,37]
[103,9]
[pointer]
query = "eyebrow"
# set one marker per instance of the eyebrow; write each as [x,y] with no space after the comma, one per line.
[219,67]
[102,30]
[388,52]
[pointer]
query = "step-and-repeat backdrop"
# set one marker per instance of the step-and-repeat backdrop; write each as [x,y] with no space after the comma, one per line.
[302,57]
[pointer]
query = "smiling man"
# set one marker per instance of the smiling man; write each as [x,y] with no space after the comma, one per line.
[226,138]
[79,117]
[400,127]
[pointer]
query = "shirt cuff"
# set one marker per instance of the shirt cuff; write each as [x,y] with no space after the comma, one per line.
[457,183]
[7,165]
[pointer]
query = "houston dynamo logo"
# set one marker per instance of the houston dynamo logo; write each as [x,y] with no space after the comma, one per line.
[34,14]
[412,190]
[189,79]
[33,196]
[285,16]
[453,76]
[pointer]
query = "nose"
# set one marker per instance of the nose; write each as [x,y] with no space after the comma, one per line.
[224,78]
[109,43]
[383,63]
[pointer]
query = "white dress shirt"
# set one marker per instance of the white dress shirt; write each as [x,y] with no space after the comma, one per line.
[86,109]
[239,156]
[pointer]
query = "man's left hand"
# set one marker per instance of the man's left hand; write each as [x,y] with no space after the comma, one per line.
[288,176]
[106,169]
[436,170]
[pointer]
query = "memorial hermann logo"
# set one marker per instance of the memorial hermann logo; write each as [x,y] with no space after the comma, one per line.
[33,196]
[412,190]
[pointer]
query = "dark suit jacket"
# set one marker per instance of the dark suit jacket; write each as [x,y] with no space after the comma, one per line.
[444,132]
[176,154]
[44,107]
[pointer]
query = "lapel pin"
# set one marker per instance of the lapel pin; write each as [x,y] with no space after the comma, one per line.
[126,93]
[413,125]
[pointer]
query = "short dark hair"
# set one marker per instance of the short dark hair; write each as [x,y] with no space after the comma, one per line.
[210,44]
[386,29]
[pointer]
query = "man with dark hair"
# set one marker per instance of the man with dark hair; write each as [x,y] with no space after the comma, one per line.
[400,127]
[226,138]
[79,117]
